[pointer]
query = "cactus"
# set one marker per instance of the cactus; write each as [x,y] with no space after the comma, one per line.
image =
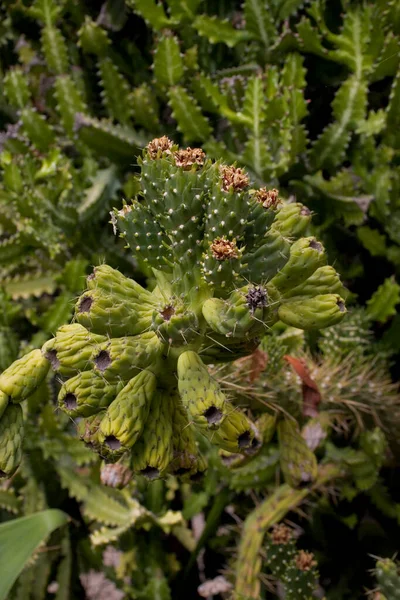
[295,569]
[387,575]
[11,436]
[129,345]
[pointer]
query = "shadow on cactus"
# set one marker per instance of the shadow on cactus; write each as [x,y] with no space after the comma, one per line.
[228,262]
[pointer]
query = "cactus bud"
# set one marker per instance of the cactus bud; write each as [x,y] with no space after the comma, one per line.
[126,416]
[24,376]
[11,437]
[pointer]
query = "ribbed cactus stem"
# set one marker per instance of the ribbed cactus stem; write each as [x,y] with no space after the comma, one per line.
[268,513]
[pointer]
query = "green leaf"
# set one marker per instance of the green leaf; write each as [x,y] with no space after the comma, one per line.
[116,97]
[286,8]
[69,101]
[9,501]
[216,30]
[392,136]
[372,240]
[382,305]
[185,110]
[168,64]
[55,50]
[259,21]
[19,538]
[34,284]
[349,108]
[194,504]
[16,88]
[98,197]
[120,143]
[152,12]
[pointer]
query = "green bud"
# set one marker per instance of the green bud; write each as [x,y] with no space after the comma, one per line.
[201,395]
[235,433]
[87,394]
[175,325]
[3,403]
[72,349]
[11,437]
[306,255]
[126,416]
[298,462]
[124,357]
[112,315]
[313,313]
[24,376]
[153,452]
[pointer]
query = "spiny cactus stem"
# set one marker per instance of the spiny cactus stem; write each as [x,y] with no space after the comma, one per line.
[269,512]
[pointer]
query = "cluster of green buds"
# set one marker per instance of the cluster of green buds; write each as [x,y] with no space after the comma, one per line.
[227,262]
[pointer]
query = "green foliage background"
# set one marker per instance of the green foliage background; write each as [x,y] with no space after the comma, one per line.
[306,97]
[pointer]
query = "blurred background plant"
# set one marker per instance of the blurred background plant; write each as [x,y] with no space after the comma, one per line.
[306,97]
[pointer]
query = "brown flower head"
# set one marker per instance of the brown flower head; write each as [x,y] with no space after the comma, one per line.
[281,534]
[305,560]
[233,177]
[159,146]
[189,157]
[224,249]
[116,476]
[268,198]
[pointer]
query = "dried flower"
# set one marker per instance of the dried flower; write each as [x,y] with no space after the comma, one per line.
[159,146]
[268,198]
[223,249]
[281,534]
[305,560]
[233,177]
[189,157]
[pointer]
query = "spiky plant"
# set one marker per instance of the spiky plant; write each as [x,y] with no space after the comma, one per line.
[228,261]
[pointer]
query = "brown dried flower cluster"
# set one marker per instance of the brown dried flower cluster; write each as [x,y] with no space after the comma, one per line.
[224,249]
[305,560]
[268,198]
[233,177]
[189,157]
[281,534]
[158,146]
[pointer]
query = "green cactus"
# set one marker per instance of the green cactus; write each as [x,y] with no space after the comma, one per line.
[24,376]
[220,283]
[298,462]
[11,437]
[126,416]
[387,575]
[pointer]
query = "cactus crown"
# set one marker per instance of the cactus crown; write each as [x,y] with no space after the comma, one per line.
[228,262]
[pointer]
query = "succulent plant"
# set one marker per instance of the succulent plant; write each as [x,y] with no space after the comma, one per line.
[228,262]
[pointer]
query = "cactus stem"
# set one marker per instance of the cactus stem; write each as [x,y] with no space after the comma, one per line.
[103,360]
[150,472]
[85,304]
[213,415]
[51,356]
[112,442]
[70,401]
